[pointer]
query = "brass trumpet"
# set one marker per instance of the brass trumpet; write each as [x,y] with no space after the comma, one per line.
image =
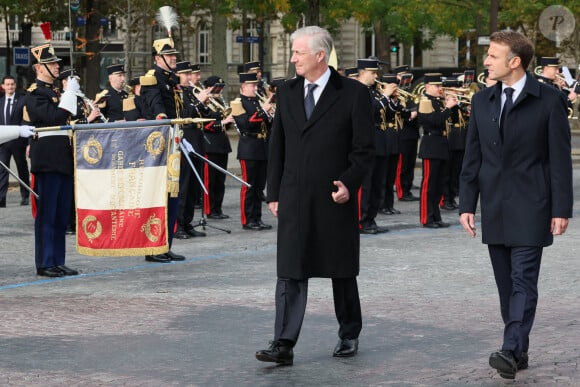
[463,95]
[213,103]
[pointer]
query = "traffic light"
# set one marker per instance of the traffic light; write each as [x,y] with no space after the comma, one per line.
[394,44]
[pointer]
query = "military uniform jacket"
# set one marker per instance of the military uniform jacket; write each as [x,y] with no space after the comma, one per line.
[316,236]
[48,153]
[113,109]
[193,108]
[216,136]
[432,116]
[381,116]
[457,130]
[137,111]
[549,82]
[254,126]
[410,130]
[160,98]
[526,180]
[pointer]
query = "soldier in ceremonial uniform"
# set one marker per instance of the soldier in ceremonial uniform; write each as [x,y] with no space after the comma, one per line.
[434,148]
[456,137]
[372,190]
[51,160]
[397,112]
[189,186]
[550,71]
[160,94]
[253,121]
[408,140]
[256,67]
[133,106]
[216,150]
[112,105]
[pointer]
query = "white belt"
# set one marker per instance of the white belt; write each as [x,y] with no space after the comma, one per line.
[59,132]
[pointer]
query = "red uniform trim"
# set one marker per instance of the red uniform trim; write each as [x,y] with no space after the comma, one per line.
[32,197]
[243,192]
[398,178]
[424,189]
[359,196]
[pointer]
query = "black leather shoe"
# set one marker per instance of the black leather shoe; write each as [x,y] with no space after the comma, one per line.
[368,230]
[386,211]
[346,348]
[174,257]
[70,230]
[523,361]
[395,212]
[448,207]
[67,270]
[409,198]
[180,234]
[252,226]
[50,272]
[3,204]
[381,230]
[505,363]
[264,225]
[25,202]
[192,232]
[431,225]
[218,216]
[442,224]
[278,353]
[158,258]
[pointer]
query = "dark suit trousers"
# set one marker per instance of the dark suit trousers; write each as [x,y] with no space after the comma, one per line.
[291,298]
[215,183]
[516,271]
[408,150]
[17,149]
[372,192]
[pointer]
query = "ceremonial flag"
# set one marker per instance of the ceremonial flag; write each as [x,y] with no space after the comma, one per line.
[121,190]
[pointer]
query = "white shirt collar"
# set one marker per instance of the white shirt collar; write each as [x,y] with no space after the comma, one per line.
[518,87]
[321,82]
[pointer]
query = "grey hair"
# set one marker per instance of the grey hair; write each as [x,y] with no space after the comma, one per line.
[320,39]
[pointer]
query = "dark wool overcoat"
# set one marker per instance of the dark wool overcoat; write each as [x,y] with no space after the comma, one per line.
[316,236]
[526,180]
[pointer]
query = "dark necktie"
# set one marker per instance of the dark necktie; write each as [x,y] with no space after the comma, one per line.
[507,106]
[309,101]
[7,111]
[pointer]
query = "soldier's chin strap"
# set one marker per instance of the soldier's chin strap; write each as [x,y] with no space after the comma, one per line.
[50,72]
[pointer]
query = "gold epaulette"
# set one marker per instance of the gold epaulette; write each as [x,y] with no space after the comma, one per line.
[32,87]
[100,99]
[237,107]
[148,79]
[129,104]
[425,106]
[25,115]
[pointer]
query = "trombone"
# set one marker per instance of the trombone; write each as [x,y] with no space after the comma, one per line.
[213,103]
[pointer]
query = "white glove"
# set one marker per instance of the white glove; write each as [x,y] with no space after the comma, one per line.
[26,130]
[186,145]
[72,85]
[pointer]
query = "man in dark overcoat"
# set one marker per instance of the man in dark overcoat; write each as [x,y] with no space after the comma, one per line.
[320,150]
[517,161]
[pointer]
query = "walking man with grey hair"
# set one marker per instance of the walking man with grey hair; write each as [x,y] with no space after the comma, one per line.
[320,150]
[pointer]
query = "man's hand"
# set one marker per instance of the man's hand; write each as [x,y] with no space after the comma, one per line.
[468,223]
[26,130]
[342,195]
[559,226]
[273,206]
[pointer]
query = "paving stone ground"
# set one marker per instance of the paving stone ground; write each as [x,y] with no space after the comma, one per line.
[430,310]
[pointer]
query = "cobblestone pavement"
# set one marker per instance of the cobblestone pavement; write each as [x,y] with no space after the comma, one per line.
[430,310]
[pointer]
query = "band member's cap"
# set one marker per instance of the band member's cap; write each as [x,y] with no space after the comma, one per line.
[452,82]
[210,81]
[44,54]
[401,69]
[432,78]
[367,64]
[134,81]
[248,78]
[164,46]
[389,78]
[116,69]
[182,67]
[549,61]
[195,68]
[67,72]
[350,72]
[252,66]
[277,82]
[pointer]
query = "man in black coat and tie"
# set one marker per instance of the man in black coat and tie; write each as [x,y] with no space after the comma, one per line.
[11,106]
[517,161]
[322,146]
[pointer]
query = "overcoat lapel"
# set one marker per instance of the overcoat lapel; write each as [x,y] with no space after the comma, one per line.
[297,109]
[327,99]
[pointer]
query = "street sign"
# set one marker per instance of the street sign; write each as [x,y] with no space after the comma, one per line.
[483,40]
[249,39]
[21,56]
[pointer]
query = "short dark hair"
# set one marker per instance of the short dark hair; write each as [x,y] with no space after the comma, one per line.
[8,77]
[518,43]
